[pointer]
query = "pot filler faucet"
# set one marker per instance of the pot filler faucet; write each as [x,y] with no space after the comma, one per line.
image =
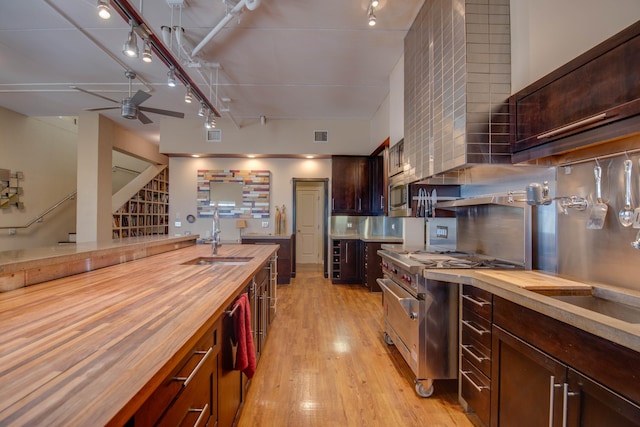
[215,231]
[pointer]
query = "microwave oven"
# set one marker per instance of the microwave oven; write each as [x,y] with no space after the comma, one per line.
[399,204]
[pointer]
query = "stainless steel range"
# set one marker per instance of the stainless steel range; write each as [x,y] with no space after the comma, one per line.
[421,315]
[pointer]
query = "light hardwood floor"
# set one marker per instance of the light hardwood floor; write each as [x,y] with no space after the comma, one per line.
[326,364]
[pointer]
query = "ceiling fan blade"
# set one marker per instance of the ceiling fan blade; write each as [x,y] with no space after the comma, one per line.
[94,94]
[140,97]
[144,119]
[163,112]
[101,109]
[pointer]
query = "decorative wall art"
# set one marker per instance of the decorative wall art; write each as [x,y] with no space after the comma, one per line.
[10,189]
[237,193]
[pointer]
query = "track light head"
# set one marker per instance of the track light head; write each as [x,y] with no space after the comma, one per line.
[130,47]
[171,77]
[146,55]
[188,97]
[104,11]
[372,18]
[374,3]
[202,111]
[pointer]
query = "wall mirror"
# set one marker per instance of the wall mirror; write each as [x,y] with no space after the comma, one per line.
[237,193]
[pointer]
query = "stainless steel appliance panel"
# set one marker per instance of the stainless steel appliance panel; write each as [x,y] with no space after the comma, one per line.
[441,328]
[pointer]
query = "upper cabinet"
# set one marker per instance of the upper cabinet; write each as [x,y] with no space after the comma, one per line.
[349,179]
[593,98]
[357,185]
[457,80]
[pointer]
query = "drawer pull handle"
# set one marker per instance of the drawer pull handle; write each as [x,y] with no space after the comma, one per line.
[479,388]
[203,413]
[479,302]
[193,373]
[474,329]
[470,349]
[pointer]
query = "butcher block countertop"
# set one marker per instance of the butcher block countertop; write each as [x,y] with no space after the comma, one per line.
[534,290]
[88,349]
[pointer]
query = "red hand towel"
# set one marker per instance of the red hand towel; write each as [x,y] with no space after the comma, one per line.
[246,353]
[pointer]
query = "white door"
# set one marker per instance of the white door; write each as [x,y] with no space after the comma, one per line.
[309,223]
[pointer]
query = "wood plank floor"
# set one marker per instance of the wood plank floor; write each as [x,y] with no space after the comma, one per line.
[326,364]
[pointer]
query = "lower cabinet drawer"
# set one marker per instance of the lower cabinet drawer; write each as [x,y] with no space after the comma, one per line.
[477,354]
[193,406]
[202,359]
[476,390]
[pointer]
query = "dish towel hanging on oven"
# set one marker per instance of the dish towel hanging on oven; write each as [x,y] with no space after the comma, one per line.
[246,353]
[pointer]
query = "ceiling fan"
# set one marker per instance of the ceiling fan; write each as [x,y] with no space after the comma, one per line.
[130,107]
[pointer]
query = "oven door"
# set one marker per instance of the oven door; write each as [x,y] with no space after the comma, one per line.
[401,319]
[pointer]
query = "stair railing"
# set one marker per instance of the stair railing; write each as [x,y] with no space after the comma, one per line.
[43,214]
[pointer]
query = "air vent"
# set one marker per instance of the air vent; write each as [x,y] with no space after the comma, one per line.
[214,135]
[320,136]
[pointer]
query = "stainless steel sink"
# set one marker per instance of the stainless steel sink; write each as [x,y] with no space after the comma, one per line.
[218,260]
[618,305]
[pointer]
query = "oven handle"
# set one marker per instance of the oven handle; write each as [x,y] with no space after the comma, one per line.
[405,303]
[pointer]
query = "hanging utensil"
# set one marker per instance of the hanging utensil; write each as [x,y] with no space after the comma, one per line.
[626,213]
[434,202]
[636,216]
[598,209]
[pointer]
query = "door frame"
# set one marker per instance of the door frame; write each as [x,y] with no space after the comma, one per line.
[325,219]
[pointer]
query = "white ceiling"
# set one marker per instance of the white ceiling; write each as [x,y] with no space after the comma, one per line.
[287,59]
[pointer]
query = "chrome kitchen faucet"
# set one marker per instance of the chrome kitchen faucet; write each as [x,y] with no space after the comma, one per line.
[215,231]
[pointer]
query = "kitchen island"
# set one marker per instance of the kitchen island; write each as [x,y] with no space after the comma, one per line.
[89,349]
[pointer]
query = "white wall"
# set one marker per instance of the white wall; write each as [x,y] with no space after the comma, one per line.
[380,126]
[183,191]
[275,137]
[545,34]
[45,151]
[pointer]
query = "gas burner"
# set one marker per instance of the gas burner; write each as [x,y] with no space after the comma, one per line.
[433,260]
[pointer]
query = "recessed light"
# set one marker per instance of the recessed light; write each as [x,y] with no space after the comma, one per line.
[195,155]
[251,156]
[309,156]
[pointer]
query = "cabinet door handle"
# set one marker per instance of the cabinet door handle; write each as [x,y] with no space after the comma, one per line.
[572,126]
[479,302]
[193,373]
[474,329]
[359,203]
[552,387]
[333,204]
[565,402]
[346,254]
[381,202]
[479,388]
[202,411]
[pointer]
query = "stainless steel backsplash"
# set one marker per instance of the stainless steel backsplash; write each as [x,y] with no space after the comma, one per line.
[604,255]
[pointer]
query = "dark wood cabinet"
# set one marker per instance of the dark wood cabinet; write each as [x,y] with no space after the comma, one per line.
[346,261]
[286,262]
[377,186]
[543,368]
[591,99]
[475,350]
[349,185]
[372,269]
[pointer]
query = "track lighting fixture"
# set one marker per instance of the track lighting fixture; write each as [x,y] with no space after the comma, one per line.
[202,111]
[188,96]
[146,54]
[374,3]
[130,47]
[171,80]
[372,17]
[104,11]
[210,121]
